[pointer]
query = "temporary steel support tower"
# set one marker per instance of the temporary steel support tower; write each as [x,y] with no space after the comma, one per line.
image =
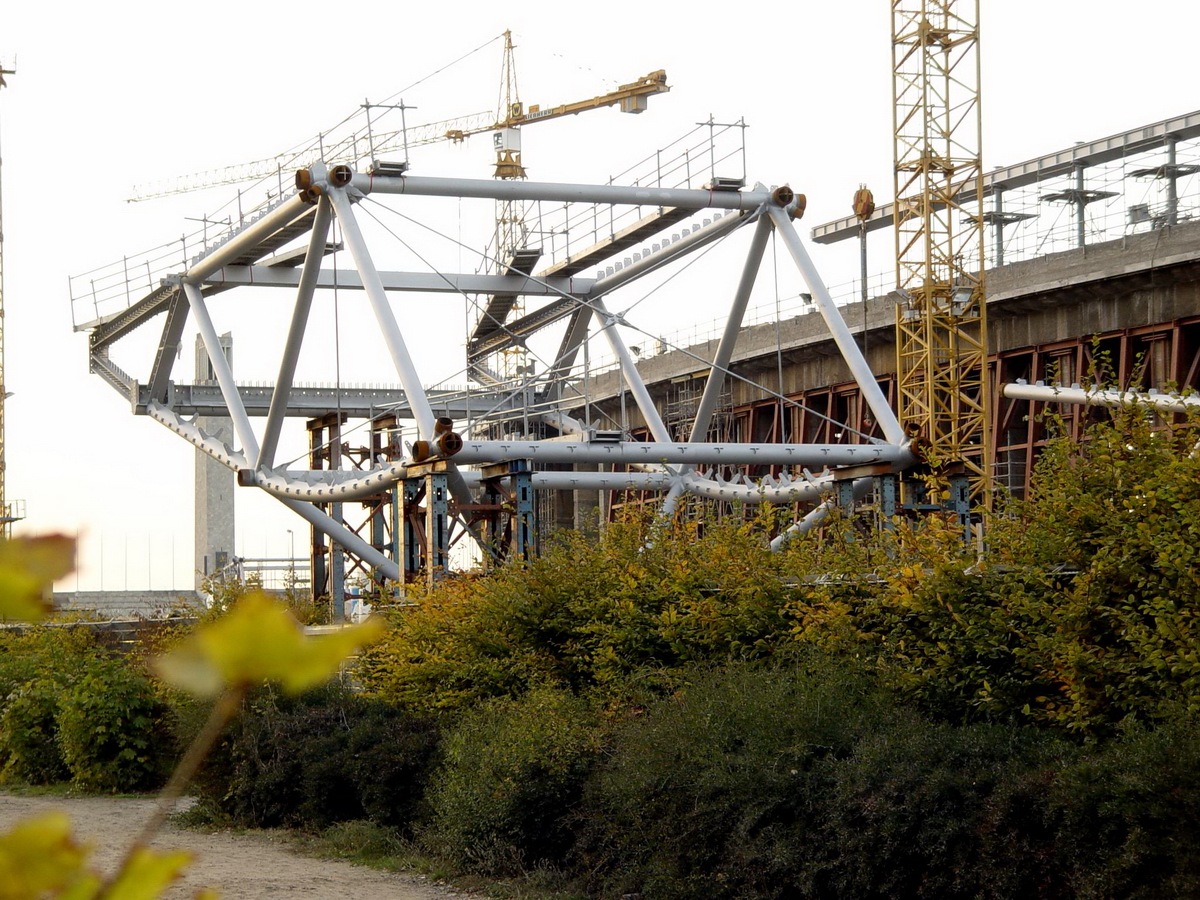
[941,326]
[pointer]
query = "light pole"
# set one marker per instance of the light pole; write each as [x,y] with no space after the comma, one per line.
[291,572]
[864,205]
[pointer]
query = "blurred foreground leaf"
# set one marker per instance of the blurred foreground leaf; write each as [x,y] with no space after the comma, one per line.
[39,858]
[259,640]
[147,874]
[40,855]
[28,569]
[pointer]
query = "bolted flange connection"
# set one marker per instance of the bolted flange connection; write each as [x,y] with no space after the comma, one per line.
[445,442]
[792,203]
[309,190]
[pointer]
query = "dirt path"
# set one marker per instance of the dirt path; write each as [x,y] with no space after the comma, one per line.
[240,866]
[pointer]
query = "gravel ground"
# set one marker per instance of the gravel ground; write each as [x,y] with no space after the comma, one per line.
[253,865]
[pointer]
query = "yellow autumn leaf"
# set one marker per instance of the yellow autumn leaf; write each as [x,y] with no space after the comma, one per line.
[259,640]
[28,569]
[87,887]
[39,855]
[147,873]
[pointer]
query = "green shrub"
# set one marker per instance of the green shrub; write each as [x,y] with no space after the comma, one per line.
[719,792]
[806,781]
[38,667]
[1128,813]
[1121,511]
[505,798]
[32,653]
[929,811]
[29,735]
[112,730]
[637,603]
[326,757]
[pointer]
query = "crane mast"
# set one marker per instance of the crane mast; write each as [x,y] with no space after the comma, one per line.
[6,514]
[511,115]
[941,319]
[510,250]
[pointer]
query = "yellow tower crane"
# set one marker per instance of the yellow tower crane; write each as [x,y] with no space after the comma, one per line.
[941,320]
[509,250]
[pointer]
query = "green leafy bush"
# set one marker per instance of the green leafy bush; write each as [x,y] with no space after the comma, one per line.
[719,791]
[37,667]
[637,604]
[1081,615]
[807,781]
[36,652]
[1127,815]
[505,798]
[29,734]
[327,756]
[112,730]
[924,810]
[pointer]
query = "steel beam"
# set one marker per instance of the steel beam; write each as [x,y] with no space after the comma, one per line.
[295,337]
[409,379]
[310,402]
[338,532]
[1096,397]
[238,462]
[245,240]
[670,503]
[685,245]
[733,327]
[421,282]
[356,485]
[680,198]
[212,343]
[841,335]
[633,378]
[568,350]
[168,348]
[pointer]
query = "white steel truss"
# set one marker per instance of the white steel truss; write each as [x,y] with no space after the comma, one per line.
[326,195]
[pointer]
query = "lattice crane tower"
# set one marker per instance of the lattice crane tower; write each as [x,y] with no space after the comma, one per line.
[6,516]
[941,327]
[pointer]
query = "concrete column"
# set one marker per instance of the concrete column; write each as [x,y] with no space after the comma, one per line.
[215,484]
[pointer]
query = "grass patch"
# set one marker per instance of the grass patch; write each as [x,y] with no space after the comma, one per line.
[65,790]
[201,815]
[364,843]
[360,842]
[59,789]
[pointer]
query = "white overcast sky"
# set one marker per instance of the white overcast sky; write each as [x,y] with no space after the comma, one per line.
[109,95]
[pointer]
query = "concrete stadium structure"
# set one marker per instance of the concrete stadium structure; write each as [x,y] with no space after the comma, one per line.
[1127,288]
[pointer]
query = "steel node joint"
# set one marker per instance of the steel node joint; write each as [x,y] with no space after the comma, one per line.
[312,182]
[791,202]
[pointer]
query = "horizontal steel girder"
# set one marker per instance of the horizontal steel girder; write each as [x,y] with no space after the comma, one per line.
[309,402]
[654,452]
[332,487]
[679,198]
[424,282]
